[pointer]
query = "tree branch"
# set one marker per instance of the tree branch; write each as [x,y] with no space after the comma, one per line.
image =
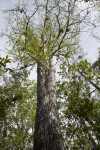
[98,88]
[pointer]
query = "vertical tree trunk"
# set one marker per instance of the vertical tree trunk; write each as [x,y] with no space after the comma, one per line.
[47,126]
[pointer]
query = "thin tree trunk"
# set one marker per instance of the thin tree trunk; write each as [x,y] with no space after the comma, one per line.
[47,126]
[89,134]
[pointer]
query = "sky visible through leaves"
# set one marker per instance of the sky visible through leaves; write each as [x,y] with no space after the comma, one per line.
[89,44]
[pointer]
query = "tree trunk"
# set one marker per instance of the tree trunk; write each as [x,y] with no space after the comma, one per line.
[47,126]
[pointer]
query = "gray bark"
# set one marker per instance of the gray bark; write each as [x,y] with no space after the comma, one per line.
[47,134]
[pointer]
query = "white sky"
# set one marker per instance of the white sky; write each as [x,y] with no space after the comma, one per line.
[89,44]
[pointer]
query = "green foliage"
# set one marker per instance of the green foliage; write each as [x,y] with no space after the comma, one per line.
[78,106]
[4,61]
[17,111]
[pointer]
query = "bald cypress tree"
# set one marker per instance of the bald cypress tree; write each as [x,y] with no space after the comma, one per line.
[41,32]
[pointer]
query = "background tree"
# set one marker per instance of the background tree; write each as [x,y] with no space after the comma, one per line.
[17,111]
[79,104]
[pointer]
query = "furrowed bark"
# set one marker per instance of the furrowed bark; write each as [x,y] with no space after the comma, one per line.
[47,126]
